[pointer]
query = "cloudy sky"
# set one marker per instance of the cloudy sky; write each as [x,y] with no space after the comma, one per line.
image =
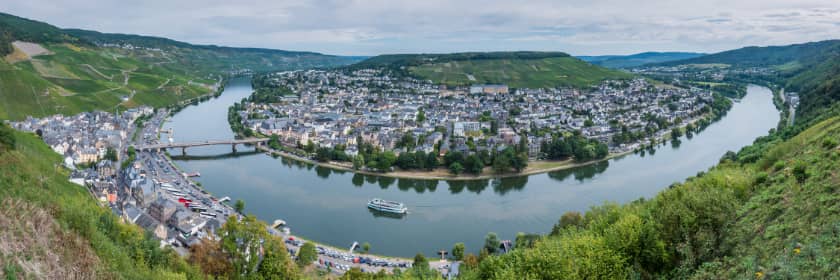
[357,27]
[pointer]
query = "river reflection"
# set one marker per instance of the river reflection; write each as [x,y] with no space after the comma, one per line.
[580,174]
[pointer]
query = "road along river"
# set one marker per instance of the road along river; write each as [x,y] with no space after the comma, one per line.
[330,206]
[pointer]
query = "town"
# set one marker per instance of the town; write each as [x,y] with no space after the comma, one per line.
[345,110]
[145,188]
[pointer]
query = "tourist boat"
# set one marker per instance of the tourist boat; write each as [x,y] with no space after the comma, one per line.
[387,206]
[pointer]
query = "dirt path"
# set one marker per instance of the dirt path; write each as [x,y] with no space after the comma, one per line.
[164,83]
[97,71]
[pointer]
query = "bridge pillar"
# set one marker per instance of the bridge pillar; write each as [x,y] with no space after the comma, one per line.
[183,151]
[233,147]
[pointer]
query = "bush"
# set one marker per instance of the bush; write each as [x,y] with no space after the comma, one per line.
[800,172]
[7,138]
[829,142]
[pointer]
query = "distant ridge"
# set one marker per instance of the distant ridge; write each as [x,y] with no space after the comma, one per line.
[639,59]
[160,42]
[754,56]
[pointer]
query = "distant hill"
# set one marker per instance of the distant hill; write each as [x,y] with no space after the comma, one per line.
[78,70]
[627,61]
[811,69]
[516,69]
[765,56]
[13,28]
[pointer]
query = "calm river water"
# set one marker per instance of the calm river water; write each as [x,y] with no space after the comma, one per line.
[329,206]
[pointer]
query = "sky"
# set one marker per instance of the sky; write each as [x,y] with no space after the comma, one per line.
[357,27]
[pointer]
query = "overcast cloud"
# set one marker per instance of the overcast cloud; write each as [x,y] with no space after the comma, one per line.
[355,27]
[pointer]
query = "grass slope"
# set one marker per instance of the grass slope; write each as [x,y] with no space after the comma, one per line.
[518,73]
[76,79]
[790,227]
[41,209]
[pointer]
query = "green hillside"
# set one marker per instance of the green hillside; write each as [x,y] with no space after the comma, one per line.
[516,69]
[764,56]
[76,78]
[57,229]
[16,28]
[79,73]
[811,69]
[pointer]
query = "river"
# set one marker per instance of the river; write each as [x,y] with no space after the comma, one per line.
[329,206]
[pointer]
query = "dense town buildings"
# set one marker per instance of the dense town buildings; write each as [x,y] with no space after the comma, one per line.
[339,108]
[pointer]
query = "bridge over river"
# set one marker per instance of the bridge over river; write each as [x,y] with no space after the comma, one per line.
[185,145]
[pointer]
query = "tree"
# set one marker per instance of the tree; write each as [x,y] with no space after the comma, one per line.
[274,142]
[676,133]
[503,161]
[406,161]
[421,116]
[386,160]
[494,127]
[473,164]
[431,161]
[452,157]
[407,141]
[420,160]
[242,239]
[111,154]
[456,168]
[458,251]
[519,162]
[491,243]
[310,146]
[524,240]
[523,144]
[358,161]
[420,262]
[276,263]
[208,255]
[569,219]
[239,206]
[307,254]
[323,154]
[366,247]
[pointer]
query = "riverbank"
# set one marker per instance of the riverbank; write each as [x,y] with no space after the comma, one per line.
[534,167]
